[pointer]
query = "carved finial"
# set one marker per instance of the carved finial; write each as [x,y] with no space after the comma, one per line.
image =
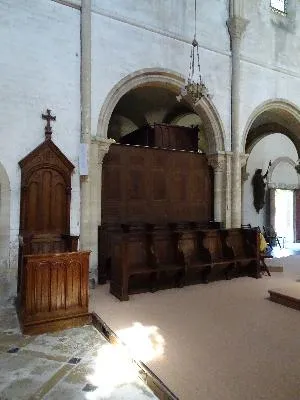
[48,130]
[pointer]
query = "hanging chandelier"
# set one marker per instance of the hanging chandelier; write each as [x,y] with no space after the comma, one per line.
[194,87]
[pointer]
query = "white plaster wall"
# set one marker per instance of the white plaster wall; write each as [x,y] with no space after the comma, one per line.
[284,173]
[269,148]
[270,57]
[172,17]
[270,38]
[39,69]
[146,35]
[259,84]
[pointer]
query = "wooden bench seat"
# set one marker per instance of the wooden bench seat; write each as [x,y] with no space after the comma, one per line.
[244,245]
[159,257]
[197,259]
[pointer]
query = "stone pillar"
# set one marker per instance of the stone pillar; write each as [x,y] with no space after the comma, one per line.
[228,165]
[244,178]
[85,138]
[236,27]
[272,207]
[218,163]
[98,149]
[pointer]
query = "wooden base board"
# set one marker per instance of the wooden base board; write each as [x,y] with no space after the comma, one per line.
[289,296]
[38,327]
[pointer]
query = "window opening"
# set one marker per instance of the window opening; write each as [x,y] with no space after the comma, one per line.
[279,6]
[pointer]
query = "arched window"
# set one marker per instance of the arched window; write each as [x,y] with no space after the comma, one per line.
[279,6]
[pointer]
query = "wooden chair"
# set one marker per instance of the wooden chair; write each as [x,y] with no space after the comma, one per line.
[271,236]
[249,226]
[246,226]
[263,266]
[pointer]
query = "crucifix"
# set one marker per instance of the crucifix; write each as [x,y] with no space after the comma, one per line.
[48,130]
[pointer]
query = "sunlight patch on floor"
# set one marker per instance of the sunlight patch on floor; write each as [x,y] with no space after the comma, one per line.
[144,342]
[114,364]
[113,367]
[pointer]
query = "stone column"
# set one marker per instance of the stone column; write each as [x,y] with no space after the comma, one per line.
[228,165]
[236,26]
[217,162]
[85,138]
[244,178]
[272,206]
[99,147]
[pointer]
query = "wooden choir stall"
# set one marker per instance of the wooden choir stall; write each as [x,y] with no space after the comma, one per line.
[53,274]
[157,229]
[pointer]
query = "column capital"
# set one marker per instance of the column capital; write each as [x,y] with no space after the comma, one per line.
[103,145]
[244,157]
[245,174]
[217,161]
[236,27]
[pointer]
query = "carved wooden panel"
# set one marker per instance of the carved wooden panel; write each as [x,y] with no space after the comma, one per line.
[52,281]
[164,136]
[54,290]
[160,257]
[45,191]
[46,199]
[155,186]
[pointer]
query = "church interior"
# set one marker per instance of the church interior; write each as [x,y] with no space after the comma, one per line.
[150,199]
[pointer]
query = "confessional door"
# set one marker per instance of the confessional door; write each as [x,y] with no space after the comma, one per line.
[44,212]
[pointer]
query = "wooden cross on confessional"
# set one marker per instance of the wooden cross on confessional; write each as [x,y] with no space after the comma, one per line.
[48,130]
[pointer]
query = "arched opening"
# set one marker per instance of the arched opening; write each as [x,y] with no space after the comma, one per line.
[154,92]
[153,104]
[164,187]
[7,280]
[272,134]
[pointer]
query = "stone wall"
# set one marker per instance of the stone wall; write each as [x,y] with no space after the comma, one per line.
[40,69]
[131,36]
[270,61]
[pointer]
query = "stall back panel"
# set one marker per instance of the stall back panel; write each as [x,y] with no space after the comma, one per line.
[148,185]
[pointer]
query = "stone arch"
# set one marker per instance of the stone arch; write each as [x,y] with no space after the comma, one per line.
[279,160]
[286,121]
[173,81]
[5,278]
[276,162]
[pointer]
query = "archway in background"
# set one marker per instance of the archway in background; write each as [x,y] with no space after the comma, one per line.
[272,116]
[273,133]
[171,81]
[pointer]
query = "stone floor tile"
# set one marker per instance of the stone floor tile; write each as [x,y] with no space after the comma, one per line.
[8,341]
[78,374]
[22,375]
[67,391]
[39,370]
[128,391]
[9,320]
[63,358]
[49,384]
[70,342]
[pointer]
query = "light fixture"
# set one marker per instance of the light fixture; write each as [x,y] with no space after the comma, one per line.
[194,87]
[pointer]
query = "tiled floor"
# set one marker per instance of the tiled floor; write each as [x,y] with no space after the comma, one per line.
[72,364]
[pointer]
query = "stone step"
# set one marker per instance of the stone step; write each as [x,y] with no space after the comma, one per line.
[288,296]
